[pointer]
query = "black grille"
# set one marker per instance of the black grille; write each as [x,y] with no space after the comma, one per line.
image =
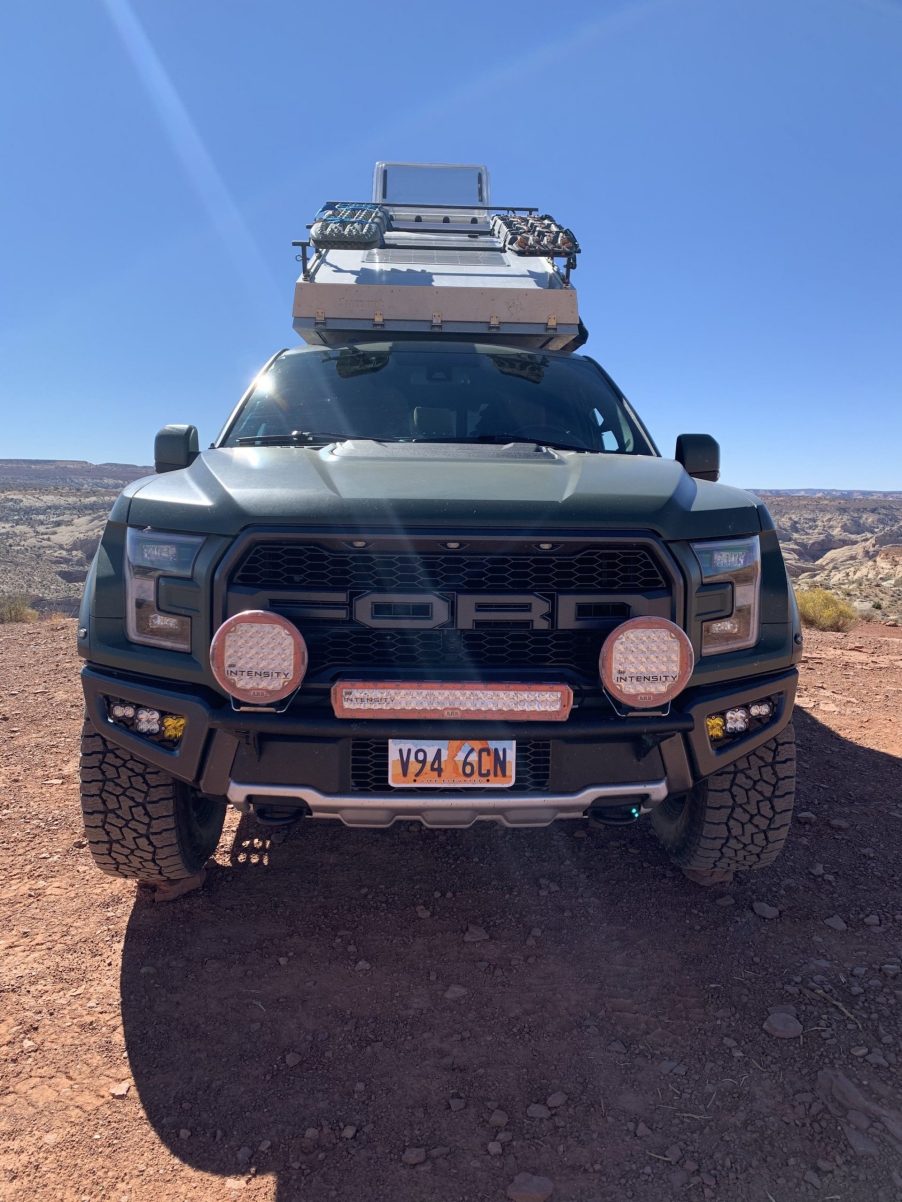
[369,767]
[379,650]
[285,575]
[617,569]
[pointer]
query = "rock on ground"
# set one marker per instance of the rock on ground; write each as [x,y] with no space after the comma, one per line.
[527,1188]
[783,1026]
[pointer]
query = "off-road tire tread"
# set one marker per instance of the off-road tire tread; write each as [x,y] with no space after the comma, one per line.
[739,818]
[129,809]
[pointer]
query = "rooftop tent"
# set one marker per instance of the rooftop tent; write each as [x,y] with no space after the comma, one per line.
[429,255]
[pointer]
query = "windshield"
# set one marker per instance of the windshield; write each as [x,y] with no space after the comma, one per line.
[411,393]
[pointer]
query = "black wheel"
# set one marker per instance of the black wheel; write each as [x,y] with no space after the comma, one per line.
[141,822]
[737,819]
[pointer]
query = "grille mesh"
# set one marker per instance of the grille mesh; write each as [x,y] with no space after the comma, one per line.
[369,767]
[430,650]
[304,566]
[280,567]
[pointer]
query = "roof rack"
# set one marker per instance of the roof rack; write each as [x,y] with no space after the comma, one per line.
[404,266]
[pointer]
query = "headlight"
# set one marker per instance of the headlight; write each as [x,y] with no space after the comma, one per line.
[150,554]
[738,562]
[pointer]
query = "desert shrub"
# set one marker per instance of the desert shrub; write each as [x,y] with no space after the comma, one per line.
[877,605]
[86,546]
[824,610]
[16,609]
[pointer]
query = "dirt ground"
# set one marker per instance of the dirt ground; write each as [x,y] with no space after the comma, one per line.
[412,1015]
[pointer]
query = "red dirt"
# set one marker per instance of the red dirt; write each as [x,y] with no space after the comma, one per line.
[225,1045]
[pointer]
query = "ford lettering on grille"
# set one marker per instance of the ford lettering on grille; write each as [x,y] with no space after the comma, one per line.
[465,611]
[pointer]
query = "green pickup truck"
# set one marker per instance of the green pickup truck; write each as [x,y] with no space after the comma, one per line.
[436,573]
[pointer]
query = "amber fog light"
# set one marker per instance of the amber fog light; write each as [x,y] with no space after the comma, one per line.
[646,662]
[258,657]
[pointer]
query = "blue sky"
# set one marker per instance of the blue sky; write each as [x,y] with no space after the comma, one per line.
[732,168]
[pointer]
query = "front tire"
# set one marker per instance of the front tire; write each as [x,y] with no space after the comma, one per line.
[141,823]
[735,820]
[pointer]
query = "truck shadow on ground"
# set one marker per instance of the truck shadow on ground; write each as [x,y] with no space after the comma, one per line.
[323,1003]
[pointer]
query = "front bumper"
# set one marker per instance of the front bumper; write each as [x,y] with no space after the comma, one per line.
[506,806]
[302,758]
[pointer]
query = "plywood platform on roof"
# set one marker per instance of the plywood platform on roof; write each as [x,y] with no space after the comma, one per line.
[456,289]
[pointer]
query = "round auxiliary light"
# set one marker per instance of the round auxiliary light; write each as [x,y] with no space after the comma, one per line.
[646,662]
[258,657]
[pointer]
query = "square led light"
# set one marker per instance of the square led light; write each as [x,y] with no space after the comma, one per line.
[737,720]
[147,721]
[715,726]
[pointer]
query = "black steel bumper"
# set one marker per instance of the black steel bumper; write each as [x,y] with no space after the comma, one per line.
[304,759]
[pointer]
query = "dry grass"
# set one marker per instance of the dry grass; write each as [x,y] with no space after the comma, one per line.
[825,611]
[16,609]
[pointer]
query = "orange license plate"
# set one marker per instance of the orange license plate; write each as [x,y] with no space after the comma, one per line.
[452,763]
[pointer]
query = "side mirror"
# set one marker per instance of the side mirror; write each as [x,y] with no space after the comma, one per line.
[699,454]
[175,447]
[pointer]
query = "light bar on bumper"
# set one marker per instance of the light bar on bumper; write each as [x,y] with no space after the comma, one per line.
[431,699]
[737,562]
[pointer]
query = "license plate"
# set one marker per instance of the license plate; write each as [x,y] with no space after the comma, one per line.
[452,763]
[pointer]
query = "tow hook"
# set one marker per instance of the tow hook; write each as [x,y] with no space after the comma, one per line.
[614,815]
[278,816]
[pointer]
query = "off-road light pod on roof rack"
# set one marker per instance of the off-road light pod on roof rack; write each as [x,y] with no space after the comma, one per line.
[258,657]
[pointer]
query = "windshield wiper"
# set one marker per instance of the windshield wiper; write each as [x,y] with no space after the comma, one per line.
[306,438]
[299,438]
[504,439]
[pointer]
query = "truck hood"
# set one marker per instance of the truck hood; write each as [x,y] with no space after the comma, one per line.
[363,484]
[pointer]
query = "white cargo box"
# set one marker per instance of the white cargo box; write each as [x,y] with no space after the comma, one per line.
[430,256]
